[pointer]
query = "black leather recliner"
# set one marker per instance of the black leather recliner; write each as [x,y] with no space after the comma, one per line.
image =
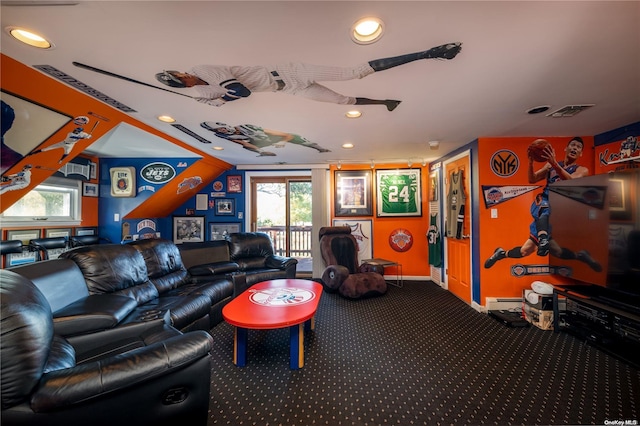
[157,377]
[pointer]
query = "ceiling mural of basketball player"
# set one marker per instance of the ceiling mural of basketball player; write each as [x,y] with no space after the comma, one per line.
[540,240]
[219,84]
[254,138]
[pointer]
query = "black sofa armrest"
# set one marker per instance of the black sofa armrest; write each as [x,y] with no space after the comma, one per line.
[215,268]
[132,331]
[93,313]
[92,380]
[280,262]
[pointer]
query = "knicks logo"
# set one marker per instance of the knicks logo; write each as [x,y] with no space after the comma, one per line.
[401,240]
[504,163]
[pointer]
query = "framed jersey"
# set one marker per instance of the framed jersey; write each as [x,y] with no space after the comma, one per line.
[398,192]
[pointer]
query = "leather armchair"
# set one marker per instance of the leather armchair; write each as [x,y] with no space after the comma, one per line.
[343,273]
[160,376]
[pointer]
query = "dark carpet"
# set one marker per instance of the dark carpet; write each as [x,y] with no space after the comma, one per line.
[419,356]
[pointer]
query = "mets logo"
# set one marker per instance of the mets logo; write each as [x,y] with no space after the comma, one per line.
[286,296]
[401,240]
[157,173]
[189,183]
[504,163]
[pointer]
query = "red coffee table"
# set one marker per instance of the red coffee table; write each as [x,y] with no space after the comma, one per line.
[274,304]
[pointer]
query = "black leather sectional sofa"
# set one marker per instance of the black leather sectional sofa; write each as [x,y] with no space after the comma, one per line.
[100,303]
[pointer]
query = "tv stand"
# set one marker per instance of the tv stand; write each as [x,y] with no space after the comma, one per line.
[594,314]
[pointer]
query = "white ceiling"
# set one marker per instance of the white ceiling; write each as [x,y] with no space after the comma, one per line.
[516,55]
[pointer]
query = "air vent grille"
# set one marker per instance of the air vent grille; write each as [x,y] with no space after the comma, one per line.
[569,110]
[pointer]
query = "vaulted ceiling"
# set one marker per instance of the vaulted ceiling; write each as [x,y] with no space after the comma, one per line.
[515,56]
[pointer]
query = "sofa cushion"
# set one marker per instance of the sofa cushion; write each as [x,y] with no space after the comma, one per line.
[114,268]
[164,263]
[49,274]
[249,263]
[207,252]
[184,310]
[249,245]
[95,312]
[216,268]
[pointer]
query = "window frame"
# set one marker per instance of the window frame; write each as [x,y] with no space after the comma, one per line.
[72,186]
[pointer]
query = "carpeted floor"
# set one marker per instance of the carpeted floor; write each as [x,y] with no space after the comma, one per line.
[419,356]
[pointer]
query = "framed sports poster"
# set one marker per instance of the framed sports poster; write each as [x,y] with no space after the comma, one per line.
[398,192]
[353,193]
[234,183]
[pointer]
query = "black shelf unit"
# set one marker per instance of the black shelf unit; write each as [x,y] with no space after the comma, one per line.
[601,318]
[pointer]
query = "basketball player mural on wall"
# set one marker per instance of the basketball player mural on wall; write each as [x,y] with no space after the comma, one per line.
[540,239]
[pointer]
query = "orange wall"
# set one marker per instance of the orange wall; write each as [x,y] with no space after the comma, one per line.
[415,261]
[511,227]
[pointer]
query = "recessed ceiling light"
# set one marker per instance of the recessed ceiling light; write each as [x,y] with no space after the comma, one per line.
[347,145]
[367,30]
[29,37]
[166,119]
[353,114]
[218,148]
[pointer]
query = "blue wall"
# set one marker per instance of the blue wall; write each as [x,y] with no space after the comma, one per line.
[109,206]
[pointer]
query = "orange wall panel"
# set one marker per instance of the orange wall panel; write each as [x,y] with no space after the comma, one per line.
[510,228]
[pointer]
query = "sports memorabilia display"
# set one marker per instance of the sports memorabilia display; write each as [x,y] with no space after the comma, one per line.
[123,181]
[399,192]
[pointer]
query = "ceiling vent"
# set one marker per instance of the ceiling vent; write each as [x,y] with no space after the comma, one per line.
[569,110]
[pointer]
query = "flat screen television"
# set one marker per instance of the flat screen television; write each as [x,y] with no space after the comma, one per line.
[596,222]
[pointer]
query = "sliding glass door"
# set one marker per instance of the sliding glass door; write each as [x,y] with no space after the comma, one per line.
[281,207]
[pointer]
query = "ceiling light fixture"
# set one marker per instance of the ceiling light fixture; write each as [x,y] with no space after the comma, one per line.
[434,145]
[347,145]
[30,38]
[217,148]
[367,30]
[353,114]
[166,119]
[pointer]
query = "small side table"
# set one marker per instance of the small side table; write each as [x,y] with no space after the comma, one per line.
[384,263]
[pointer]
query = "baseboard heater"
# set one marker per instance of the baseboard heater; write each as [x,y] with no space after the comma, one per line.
[503,303]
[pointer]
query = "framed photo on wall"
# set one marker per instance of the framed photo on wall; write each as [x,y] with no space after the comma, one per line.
[362,231]
[399,192]
[24,235]
[188,229]
[218,231]
[91,230]
[234,183]
[225,207]
[353,193]
[57,232]
[89,189]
